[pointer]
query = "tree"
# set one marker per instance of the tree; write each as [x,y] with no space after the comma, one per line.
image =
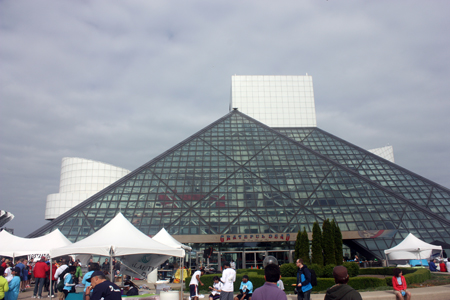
[316,245]
[337,243]
[329,254]
[297,245]
[304,247]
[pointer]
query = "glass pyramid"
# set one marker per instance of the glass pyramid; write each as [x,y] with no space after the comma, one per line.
[238,176]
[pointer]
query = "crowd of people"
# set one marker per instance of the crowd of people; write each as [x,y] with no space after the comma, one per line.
[273,288]
[17,278]
[66,274]
[439,265]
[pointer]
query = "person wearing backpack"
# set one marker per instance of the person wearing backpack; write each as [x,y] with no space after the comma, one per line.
[304,285]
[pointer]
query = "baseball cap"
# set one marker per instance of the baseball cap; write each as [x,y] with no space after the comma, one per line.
[340,273]
[96,273]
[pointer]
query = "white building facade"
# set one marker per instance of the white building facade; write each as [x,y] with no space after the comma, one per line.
[80,179]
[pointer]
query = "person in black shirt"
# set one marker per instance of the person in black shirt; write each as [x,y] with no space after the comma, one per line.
[133,290]
[102,289]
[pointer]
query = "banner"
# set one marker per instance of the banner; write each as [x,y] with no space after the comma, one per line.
[140,265]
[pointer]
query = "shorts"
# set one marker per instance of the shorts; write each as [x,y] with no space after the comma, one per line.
[247,296]
[193,289]
[25,277]
[215,297]
[61,295]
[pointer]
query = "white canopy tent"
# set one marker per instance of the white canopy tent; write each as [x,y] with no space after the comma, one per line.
[412,248]
[120,238]
[14,246]
[117,238]
[165,238]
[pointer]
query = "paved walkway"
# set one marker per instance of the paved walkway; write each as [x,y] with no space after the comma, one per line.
[428,293]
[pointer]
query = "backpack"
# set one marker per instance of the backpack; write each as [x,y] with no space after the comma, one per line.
[313,277]
[60,285]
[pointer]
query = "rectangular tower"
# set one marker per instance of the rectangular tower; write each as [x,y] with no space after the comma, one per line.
[277,101]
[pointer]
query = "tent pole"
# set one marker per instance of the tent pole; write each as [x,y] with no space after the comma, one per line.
[51,275]
[111,266]
[420,257]
[182,277]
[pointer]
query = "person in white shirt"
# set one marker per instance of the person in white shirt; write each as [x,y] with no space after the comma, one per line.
[280,284]
[233,264]
[448,265]
[228,279]
[193,285]
[60,270]
[215,289]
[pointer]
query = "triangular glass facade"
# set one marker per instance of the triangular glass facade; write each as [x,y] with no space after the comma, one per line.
[238,176]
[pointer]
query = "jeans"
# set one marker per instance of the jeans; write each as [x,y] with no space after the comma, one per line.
[226,296]
[39,283]
[304,295]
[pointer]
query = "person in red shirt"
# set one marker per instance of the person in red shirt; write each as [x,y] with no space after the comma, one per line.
[40,273]
[442,266]
[399,284]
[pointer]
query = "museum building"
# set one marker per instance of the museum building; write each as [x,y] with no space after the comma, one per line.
[244,188]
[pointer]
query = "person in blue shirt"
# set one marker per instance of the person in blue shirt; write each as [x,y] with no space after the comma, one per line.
[246,289]
[304,286]
[92,268]
[14,285]
[432,266]
[68,280]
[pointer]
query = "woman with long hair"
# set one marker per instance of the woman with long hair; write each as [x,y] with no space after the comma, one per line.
[399,284]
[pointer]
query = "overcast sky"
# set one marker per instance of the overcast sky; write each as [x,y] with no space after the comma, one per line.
[122,81]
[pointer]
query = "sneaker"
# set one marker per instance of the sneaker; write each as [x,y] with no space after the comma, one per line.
[34,296]
[39,297]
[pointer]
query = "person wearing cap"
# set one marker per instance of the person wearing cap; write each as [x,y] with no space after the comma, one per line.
[102,289]
[193,285]
[92,268]
[228,278]
[40,273]
[304,286]
[4,287]
[341,290]
[270,290]
[14,285]
[246,289]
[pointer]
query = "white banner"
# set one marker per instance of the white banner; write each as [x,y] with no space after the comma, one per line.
[141,264]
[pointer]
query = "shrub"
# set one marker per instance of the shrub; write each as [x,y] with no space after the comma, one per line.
[323,284]
[247,271]
[329,251]
[316,245]
[317,268]
[328,271]
[288,270]
[288,283]
[352,268]
[360,283]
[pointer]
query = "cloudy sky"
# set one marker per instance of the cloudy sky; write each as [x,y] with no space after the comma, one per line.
[122,81]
